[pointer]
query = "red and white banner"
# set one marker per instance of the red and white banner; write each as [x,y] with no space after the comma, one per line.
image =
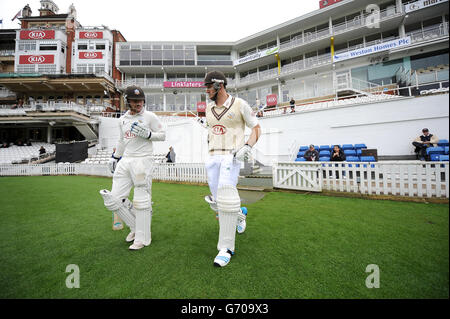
[183,84]
[91,35]
[201,107]
[91,55]
[37,34]
[326,3]
[37,59]
[271,100]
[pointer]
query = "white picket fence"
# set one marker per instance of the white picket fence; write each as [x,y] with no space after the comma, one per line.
[398,178]
[181,172]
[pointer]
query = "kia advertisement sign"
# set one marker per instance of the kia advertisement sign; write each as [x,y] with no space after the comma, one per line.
[201,107]
[91,35]
[326,3]
[271,100]
[183,84]
[91,55]
[37,59]
[37,34]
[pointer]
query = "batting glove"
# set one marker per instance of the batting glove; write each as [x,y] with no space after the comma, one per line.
[243,154]
[140,130]
[113,163]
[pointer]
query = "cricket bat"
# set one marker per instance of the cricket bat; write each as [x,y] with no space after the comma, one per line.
[117,222]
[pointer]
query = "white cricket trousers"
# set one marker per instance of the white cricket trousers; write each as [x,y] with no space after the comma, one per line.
[223,170]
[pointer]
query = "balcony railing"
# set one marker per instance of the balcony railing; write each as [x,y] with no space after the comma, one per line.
[7,52]
[143,83]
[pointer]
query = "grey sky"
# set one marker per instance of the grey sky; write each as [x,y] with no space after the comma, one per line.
[174,20]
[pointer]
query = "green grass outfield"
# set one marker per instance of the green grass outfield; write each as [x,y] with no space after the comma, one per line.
[295,245]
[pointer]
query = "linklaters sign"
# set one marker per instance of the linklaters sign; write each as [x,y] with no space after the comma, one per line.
[256,56]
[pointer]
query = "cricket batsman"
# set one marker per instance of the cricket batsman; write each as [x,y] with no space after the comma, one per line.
[226,118]
[138,130]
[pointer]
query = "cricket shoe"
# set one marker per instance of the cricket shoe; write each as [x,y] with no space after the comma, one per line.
[241,223]
[223,257]
[130,237]
[137,245]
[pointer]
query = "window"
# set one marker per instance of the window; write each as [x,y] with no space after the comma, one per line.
[100,47]
[48,47]
[82,46]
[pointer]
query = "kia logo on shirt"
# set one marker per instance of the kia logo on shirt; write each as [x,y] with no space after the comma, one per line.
[219,130]
[91,55]
[36,59]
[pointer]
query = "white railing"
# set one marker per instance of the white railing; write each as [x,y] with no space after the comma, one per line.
[180,172]
[52,106]
[390,178]
[145,83]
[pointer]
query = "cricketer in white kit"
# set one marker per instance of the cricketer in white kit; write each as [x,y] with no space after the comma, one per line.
[132,165]
[226,118]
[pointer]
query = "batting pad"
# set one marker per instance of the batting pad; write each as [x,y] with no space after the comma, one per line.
[117,206]
[142,208]
[229,204]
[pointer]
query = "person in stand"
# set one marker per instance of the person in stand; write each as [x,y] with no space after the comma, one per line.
[292,104]
[311,154]
[424,141]
[171,155]
[42,150]
[337,154]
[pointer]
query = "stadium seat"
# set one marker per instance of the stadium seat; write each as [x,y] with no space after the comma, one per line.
[352,159]
[300,159]
[358,152]
[300,154]
[325,148]
[324,159]
[367,159]
[324,154]
[435,157]
[443,143]
[446,150]
[348,152]
[347,147]
[435,150]
[360,146]
[303,148]
[443,158]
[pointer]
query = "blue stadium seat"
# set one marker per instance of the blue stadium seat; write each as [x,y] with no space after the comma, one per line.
[324,154]
[360,146]
[347,147]
[300,154]
[443,158]
[303,148]
[435,157]
[350,152]
[435,150]
[300,159]
[358,152]
[443,143]
[367,159]
[325,148]
[324,159]
[352,159]
[446,150]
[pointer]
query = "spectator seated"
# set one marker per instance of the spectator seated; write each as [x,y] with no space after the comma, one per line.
[443,143]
